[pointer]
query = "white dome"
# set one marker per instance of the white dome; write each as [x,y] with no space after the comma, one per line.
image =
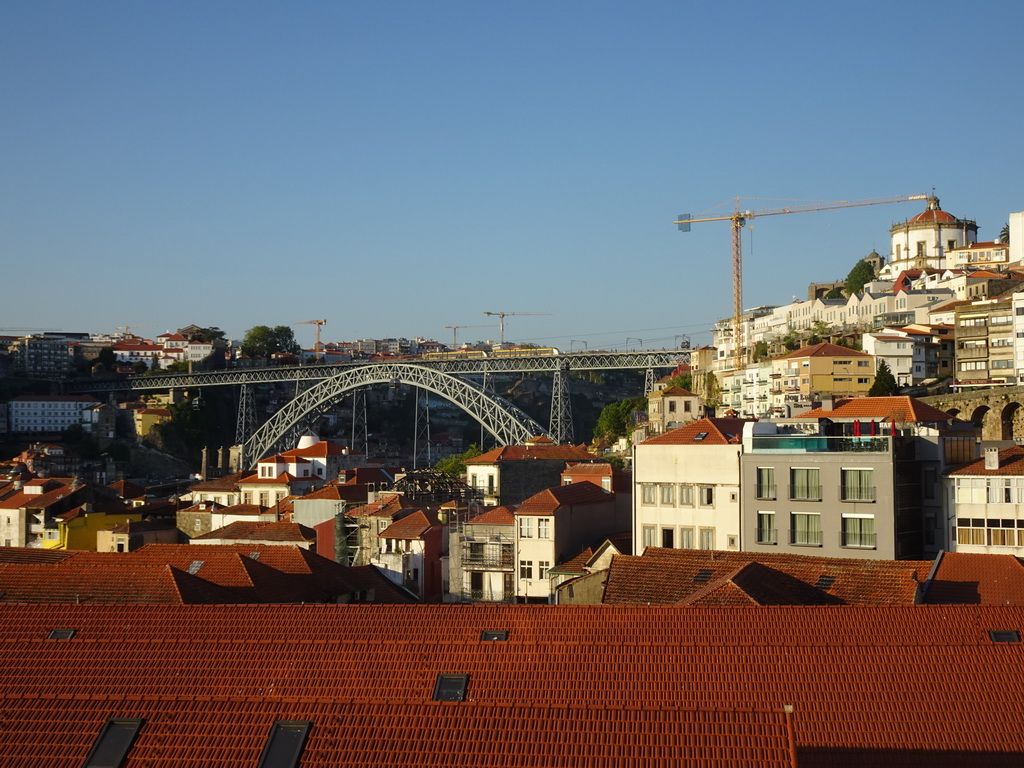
[308,441]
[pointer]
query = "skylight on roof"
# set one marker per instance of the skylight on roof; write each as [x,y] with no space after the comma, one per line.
[194,566]
[1004,635]
[61,634]
[825,582]
[451,687]
[703,575]
[285,743]
[113,742]
[255,555]
[700,436]
[494,635]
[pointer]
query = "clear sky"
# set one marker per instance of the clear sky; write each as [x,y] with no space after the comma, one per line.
[396,167]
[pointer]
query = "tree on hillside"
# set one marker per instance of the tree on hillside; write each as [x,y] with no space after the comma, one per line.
[835,293]
[617,418]
[884,384]
[207,335]
[456,465]
[264,341]
[859,276]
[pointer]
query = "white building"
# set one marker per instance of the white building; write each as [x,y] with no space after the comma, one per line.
[48,414]
[988,503]
[924,241]
[686,487]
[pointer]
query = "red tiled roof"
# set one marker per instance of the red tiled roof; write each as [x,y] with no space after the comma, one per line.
[672,392]
[1011,464]
[716,431]
[495,516]
[534,451]
[550,500]
[824,349]
[261,531]
[756,584]
[126,489]
[318,450]
[899,407]
[977,579]
[412,526]
[670,576]
[285,478]
[934,216]
[573,686]
[226,483]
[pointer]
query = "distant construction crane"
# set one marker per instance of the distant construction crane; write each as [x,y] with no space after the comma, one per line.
[317,347]
[455,332]
[739,220]
[501,321]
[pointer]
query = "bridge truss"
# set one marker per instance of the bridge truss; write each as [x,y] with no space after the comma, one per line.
[323,385]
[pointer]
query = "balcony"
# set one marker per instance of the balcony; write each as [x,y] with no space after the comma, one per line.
[805,538]
[818,444]
[857,540]
[767,536]
[487,555]
[857,493]
[765,492]
[805,493]
[484,596]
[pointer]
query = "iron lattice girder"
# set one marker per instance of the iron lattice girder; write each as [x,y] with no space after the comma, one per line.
[578,361]
[508,424]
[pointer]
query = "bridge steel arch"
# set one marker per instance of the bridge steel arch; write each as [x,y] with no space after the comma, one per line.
[508,424]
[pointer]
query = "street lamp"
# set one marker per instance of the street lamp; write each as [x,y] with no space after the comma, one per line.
[574,341]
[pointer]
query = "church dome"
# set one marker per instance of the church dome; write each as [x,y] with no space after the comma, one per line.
[934,214]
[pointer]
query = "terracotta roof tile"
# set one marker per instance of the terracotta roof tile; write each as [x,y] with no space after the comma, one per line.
[707,431]
[670,576]
[550,500]
[980,579]
[534,452]
[573,686]
[411,526]
[900,407]
[495,516]
[261,531]
[1011,464]
[825,349]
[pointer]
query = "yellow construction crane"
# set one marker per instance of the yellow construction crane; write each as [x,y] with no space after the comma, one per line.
[317,347]
[501,321]
[739,220]
[455,332]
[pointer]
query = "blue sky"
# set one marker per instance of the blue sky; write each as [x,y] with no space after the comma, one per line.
[396,167]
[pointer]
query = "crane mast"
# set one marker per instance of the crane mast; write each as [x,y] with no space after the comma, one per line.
[738,219]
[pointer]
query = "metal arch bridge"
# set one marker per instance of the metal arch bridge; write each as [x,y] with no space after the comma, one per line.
[507,423]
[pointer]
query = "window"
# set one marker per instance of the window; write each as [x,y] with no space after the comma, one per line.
[451,687]
[686,495]
[649,536]
[686,538]
[668,495]
[671,406]
[525,527]
[543,527]
[112,744]
[472,480]
[707,496]
[766,482]
[970,531]
[805,529]
[490,485]
[707,538]
[858,485]
[804,484]
[526,569]
[494,635]
[766,533]
[543,566]
[668,537]
[858,531]
[648,494]
[1002,533]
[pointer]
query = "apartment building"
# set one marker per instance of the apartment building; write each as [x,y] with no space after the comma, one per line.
[985,343]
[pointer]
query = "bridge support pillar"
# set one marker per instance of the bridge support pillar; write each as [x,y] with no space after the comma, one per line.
[246,421]
[648,381]
[421,446]
[560,425]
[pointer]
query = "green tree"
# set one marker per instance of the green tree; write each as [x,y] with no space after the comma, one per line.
[884,384]
[617,418]
[1004,233]
[819,332]
[456,465]
[207,335]
[859,276]
[264,341]
[760,351]
[835,293]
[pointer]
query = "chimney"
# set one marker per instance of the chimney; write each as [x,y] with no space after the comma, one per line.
[827,402]
[991,458]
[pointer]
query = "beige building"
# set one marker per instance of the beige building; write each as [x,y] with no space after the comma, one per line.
[822,369]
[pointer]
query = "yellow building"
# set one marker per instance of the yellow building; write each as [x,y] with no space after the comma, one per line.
[77,529]
[823,369]
[147,418]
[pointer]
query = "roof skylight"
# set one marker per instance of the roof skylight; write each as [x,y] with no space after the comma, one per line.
[113,742]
